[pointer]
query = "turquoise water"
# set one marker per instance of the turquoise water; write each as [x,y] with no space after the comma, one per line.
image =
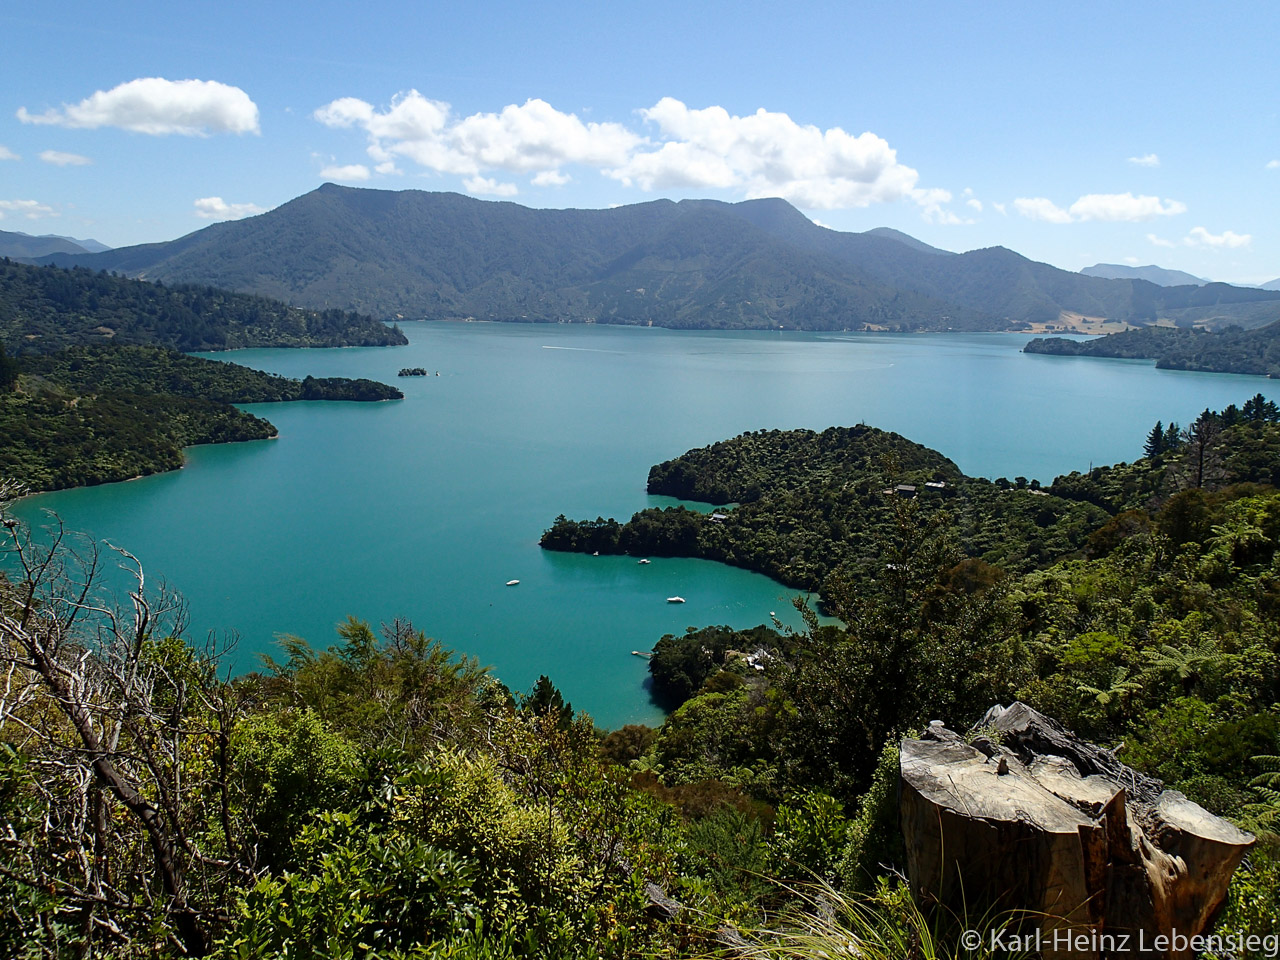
[424,508]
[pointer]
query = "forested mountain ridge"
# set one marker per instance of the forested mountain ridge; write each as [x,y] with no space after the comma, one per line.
[46,308]
[697,263]
[1225,351]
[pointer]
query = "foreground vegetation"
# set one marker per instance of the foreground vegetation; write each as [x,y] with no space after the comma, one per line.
[386,798]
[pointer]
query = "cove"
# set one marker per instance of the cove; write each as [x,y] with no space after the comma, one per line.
[424,508]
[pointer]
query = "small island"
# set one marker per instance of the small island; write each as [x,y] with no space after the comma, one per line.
[412,372]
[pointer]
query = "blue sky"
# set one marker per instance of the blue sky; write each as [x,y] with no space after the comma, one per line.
[1139,133]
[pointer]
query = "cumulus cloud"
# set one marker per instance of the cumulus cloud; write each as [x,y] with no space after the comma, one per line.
[531,138]
[349,172]
[1000,209]
[60,159]
[215,208]
[7,154]
[30,209]
[1159,241]
[1200,237]
[1273,164]
[767,154]
[1124,207]
[487,186]
[1107,207]
[156,106]
[1146,160]
[764,154]
[551,178]
[388,167]
[1041,208]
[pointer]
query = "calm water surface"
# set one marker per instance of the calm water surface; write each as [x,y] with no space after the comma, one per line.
[424,508]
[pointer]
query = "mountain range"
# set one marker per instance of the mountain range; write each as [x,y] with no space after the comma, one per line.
[25,246]
[1158,275]
[696,263]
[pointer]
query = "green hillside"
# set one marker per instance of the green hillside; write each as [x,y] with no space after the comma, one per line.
[43,309]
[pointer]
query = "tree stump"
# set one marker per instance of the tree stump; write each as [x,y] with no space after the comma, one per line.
[1096,857]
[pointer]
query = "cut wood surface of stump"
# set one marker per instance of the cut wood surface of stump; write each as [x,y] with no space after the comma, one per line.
[1098,856]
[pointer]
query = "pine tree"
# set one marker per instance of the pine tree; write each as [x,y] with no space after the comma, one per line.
[1155,441]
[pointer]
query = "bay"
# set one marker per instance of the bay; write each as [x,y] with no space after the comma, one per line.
[424,508]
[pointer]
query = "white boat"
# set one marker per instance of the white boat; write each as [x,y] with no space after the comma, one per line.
[642,561]
[675,599]
[596,554]
[512,583]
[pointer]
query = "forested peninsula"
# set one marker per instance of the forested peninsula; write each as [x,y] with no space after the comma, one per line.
[93,387]
[813,505]
[1180,348]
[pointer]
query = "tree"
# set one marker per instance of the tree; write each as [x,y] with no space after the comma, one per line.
[1260,410]
[1155,441]
[119,740]
[8,370]
[1201,463]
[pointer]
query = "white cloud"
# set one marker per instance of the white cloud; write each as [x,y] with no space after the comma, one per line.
[153,105]
[1107,207]
[932,208]
[1273,164]
[1124,207]
[388,167]
[1146,160]
[1159,241]
[531,138]
[27,208]
[7,154]
[975,203]
[767,154]
[215,208]
[1132,261]
[1041,208]
[60,159]
[487,186]
[351,171]
[1000,208]
[1200,237]
[551,178]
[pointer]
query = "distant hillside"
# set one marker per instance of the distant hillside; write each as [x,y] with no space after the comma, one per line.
[891,234]
[1152,274]
[43,309]
[1271,285]
[697,263]
[1228,351]
[28,247]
